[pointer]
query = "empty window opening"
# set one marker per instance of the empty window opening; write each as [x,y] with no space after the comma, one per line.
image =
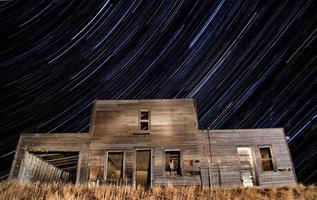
[246,164]
[49,166]
[266,158]
[115,166]
[144,120]
[172,163]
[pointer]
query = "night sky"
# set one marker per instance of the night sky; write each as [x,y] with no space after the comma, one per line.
[248,64]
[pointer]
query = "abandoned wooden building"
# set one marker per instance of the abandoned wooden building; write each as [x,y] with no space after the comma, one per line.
[155,142]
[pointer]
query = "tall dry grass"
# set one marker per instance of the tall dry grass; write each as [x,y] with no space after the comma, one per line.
[56,191]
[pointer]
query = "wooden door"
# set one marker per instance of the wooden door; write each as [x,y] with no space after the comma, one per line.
[143,168]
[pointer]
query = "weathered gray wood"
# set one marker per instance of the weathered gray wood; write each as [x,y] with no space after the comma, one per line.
[76,142]
[224,145]
[115,126]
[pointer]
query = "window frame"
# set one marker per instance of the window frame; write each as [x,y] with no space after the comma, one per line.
[143,120]
[271,159]
[253,162]
[180,162]
[106,163]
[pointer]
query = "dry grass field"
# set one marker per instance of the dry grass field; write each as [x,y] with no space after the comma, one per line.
[50,191]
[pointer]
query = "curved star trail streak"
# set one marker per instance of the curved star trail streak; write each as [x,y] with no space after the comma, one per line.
[247,63]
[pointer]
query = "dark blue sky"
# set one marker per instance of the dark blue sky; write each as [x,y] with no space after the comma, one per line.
[247,64]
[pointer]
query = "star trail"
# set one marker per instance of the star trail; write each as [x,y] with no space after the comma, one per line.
[248,64]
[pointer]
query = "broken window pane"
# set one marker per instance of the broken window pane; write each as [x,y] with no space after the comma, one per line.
[115,165]
[172,163]
[144,120]
[266,157]
[144,115]
[144,126]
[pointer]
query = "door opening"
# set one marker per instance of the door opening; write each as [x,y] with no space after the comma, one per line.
[247,166]
[143,168]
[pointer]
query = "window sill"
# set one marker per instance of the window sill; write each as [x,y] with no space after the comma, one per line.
[142,133]
[269,172]
[172,176]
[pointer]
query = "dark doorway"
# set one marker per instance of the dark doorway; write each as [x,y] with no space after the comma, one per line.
[143,168]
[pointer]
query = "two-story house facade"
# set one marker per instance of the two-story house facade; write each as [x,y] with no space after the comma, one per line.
[155,142]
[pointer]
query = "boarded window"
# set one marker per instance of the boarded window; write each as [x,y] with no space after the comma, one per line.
[266,158]
[172,163]
[191,167]
[115,165]
[144,120]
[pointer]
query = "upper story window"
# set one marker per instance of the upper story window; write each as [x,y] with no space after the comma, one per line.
[144,120]
[266,158]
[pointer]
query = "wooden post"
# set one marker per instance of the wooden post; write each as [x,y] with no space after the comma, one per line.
[210,159]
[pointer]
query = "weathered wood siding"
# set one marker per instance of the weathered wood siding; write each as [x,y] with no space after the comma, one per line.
[224,143]
[35,169]
[212,154]
[173,125]
[76,142]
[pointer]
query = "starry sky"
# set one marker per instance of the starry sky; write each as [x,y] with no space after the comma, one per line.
[248,64]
